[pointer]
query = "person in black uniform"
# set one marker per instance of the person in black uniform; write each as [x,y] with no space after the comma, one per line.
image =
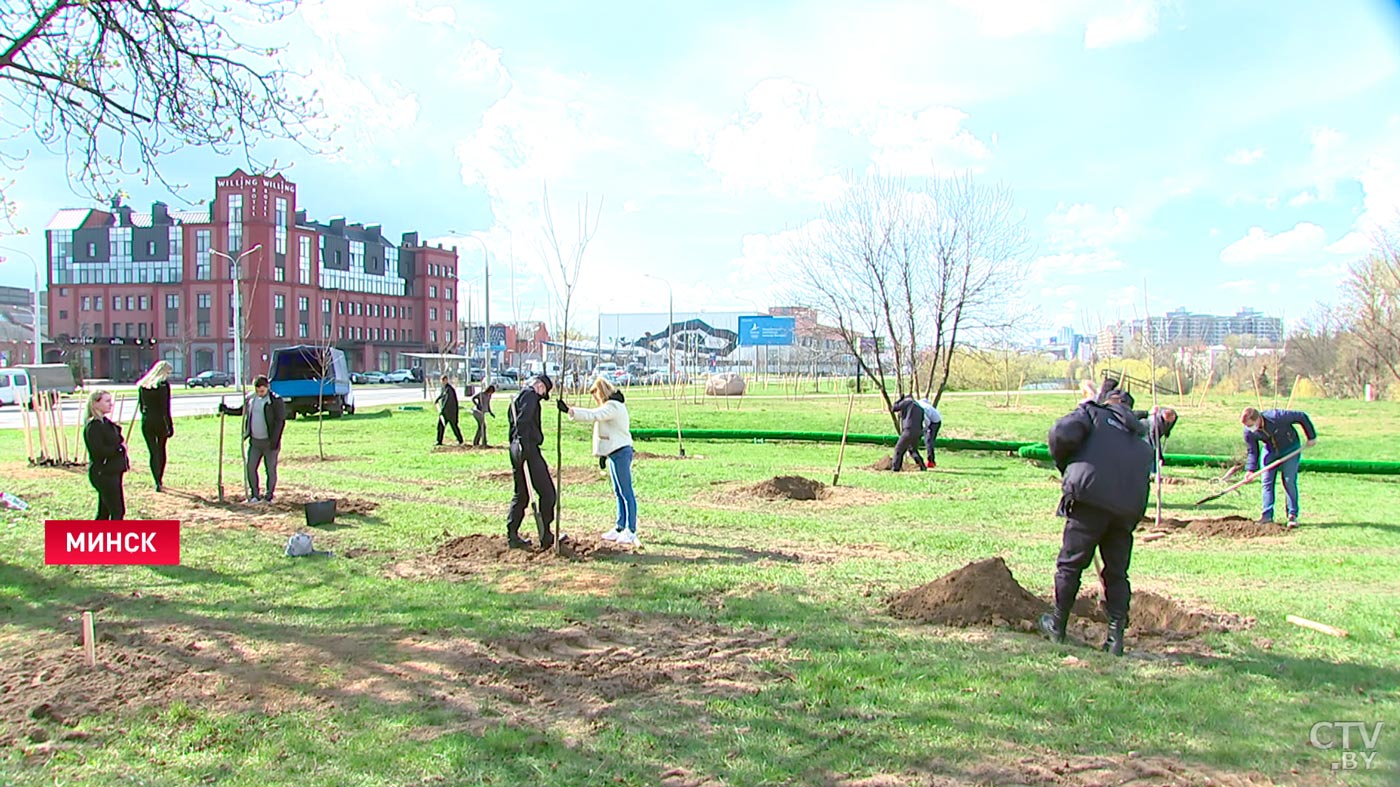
[911,432]
[107,460]
[447,411]
[157,426]
[1103,456]
[481,407]
[526,437]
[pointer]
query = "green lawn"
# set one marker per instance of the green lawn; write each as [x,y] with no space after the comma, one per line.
[746,644]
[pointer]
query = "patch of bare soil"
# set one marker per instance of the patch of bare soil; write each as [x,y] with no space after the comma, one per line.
[199,509]
[315,459]
[886,463]
[985,592]
[791,489]
[649,455]
[1053,770]
[572,475]
[469,556]
[979,593]
[1216,527]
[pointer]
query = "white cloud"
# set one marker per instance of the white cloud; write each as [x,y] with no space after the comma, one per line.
[1214,232]
[1136,21]
[439,15]
[1012,18]
[1299,243]
[776,144]
[1082,225]
[1353,244]
[1239,285]
[1053,267]
[1127,298]
[1326,141]
[1245,156]
[929,142]
[1062,291]
[1333,271]
[1302,198]
[479,63]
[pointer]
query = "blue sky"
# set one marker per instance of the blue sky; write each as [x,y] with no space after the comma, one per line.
[1223,154]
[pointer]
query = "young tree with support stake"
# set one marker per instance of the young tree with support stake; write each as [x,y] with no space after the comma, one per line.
[564,279]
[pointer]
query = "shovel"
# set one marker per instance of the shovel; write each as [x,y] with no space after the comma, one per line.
[1261,472]
[221,451]
[540,527]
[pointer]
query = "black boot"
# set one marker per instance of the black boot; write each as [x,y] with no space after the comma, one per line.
[1113,643]
[516,542]
[1052,624]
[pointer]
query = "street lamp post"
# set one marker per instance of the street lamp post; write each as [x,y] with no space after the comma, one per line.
[237,264]
[38,353]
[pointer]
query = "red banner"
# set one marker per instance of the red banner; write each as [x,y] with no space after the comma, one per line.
[130,542]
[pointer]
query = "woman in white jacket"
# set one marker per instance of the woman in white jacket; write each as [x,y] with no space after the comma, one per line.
[612,443]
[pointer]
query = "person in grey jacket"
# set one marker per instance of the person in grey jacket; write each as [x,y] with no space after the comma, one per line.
[264,417]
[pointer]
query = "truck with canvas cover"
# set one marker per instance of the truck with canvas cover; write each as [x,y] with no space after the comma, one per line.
[310,379]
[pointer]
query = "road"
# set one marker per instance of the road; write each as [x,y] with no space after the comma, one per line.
[207,404]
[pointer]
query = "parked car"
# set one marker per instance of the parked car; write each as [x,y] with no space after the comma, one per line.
[511,374]
[399,376]
[367,378]
[209,379]
[20,383]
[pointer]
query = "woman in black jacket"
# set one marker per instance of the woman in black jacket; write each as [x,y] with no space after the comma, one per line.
[153,399]
[107,460]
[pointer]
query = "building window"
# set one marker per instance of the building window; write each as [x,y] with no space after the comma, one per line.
[117,304]
[357,256]
[92,250]
[130,302]
[303,330]
[171,330]
[150,248]
[204,330]
[303,305]
[447,293]
[432,336]
[87,304]
[432,313]
[279,301]
[141,330]
[432,291]
[235,223]
[279,329]
[279,272]
[172,301]
[62,314]
[97,303]
[342,331]
[145,303]
[304,260]
[340,307]
[280,220]
[202,270]
[326,331]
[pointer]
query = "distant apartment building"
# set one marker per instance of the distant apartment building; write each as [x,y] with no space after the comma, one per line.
[1183,327]
[17,325]
[128,288]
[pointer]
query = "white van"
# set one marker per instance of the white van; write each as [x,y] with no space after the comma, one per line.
[14,386]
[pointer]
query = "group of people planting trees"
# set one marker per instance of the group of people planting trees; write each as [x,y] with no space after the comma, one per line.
[1105,450]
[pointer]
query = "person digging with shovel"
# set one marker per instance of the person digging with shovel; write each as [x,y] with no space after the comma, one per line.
[1105,464]
[1276,431]
[528,465]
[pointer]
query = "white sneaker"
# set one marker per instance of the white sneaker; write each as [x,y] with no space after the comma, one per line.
[627,537]
[612,535]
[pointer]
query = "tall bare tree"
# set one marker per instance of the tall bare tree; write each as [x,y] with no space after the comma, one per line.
[563,266]
[918,268]
[1371,305]
[118,84]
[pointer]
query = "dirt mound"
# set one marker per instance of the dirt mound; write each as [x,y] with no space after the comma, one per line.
[464,556]
[1216,527]
[1153,615]
[789,487]
[887,462]
[196,508]
[978,593]
[984,593]
[572,475]
[1052,769]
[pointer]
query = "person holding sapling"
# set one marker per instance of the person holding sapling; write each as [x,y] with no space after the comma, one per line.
[612,444]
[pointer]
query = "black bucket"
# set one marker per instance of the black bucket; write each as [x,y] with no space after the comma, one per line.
[320,512]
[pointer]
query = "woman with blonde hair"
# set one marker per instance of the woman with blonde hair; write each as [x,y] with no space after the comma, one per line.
[157,426]
[107,461]
[612,444]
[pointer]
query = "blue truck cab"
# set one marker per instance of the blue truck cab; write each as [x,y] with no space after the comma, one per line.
[310,379]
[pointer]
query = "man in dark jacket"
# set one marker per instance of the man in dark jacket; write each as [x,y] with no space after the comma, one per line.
[1105,463]
[911,431]
[528,465]
[447,410]
[264,417]
[481,407]
[1159,422]
[1276,431]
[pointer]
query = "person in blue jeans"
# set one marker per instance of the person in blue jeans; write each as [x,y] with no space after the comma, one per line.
[612,444]
[1276,431]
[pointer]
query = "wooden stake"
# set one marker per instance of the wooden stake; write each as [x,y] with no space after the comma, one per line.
[28,437]
[1153,536]
[1292,391]
[1180,392]
[39,414]
[845,430]
[89,640]
[61,430]
[1258,397]
[1331,631]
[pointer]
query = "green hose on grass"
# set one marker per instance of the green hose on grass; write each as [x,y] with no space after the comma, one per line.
[1023,449]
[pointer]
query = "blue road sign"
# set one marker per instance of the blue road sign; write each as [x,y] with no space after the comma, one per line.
[770,331]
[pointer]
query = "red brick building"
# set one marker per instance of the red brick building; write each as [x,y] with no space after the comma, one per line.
[126,288]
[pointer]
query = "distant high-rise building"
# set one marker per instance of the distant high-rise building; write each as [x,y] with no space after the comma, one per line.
[1183,327]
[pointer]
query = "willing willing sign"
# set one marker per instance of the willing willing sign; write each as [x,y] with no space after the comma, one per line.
[136,542]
